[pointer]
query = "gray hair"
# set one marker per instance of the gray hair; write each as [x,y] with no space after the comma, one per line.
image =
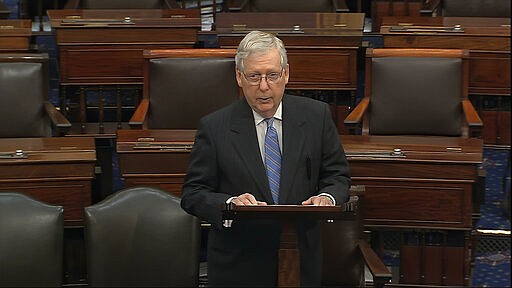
[259,42]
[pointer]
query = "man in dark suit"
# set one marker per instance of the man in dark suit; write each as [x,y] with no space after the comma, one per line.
[230,164]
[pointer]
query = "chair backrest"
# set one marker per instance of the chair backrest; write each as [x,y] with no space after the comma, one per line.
[343,265]
[31,242]
[124,4]
[184,85]
[416,91]
[325,6]
[476,8]
[23,88]
[141,237]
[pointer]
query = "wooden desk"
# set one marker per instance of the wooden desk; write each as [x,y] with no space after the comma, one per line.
[56,170]
[428,186]
[399,189]
[488,42]
[105,48]
[156,165]
[322,47]
[487,39]
[15,35]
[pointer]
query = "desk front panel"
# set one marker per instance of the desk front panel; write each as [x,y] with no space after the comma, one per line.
[431,187]
[113,56]
[120,64]
[72,193]
[316,62]
[162,169]
[58,171]
[15,35]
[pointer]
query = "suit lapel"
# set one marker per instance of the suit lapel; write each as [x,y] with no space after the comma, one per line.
[245,143]
[293,145]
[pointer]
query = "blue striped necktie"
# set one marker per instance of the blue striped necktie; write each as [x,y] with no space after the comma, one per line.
[272,159]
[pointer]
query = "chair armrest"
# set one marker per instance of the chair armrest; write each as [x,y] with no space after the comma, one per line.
[356,116]
[430,7]
[58,120]
[140,115]
[340,6]
[473,121]
[471,115]
[381,274]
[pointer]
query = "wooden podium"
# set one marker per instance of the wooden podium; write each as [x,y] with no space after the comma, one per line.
[289,258]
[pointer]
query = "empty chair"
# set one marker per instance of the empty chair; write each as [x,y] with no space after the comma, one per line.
[416,92]
[141,237]
[25,110]
[183,85]
[31,242]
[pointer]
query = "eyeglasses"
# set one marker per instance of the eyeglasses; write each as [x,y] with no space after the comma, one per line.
[255,79]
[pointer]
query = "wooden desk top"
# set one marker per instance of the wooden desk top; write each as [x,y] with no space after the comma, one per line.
[412,148]
[127,140]
[491,29]
[15,34]
[48,150]
[124,18]
[357,147]
[297,24]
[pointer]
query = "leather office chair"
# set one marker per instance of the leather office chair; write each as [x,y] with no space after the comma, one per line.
[346,253]
[25,110]
[467,8]
[416,92]
[182,85]
[324,6]
[31,242]
[141,237]
[120,4]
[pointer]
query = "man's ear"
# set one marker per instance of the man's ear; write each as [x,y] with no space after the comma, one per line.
[238,77]
[286,73]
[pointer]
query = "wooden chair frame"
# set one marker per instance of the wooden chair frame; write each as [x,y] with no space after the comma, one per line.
[139,118]
[472,122]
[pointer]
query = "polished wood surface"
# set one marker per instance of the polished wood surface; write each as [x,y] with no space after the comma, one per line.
[289,257]
[399,187]
[15,35]
[322,47]
[56,170]
[116,39]
[402,184]
[411,182]
[145,158]
[487,39]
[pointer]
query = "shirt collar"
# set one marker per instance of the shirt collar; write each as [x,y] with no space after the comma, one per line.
[278,115]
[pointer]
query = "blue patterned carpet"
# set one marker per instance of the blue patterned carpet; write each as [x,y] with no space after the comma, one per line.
[492,259]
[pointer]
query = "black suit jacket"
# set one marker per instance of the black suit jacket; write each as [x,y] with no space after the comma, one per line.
[226,161]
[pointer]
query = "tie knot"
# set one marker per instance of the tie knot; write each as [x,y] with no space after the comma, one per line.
[270,121]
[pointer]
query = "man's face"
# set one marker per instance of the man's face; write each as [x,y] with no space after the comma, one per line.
[263,96]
